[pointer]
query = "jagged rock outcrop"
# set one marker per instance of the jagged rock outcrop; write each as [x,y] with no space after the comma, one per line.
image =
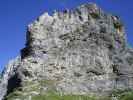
[78,51]
[8,81]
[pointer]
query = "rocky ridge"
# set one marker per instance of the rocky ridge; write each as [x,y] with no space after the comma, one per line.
[79,51]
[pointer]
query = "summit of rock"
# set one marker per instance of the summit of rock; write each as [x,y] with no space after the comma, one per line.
[77,51]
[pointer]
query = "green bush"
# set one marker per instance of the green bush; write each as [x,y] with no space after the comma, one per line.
[118,25]
[127,96]
[123,94]
[95,15]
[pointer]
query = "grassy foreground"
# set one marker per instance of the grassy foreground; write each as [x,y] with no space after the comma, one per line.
[56,96]
[53,96]
[34,91]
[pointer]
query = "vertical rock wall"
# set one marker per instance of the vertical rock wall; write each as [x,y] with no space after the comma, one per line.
[81,51]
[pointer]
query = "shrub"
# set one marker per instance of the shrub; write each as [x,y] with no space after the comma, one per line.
[127,96]
[95,15]
[118,25]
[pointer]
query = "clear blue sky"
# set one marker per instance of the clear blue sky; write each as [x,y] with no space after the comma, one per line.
[15,15]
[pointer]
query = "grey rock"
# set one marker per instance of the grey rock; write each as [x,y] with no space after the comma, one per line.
[10,71]
[82,51]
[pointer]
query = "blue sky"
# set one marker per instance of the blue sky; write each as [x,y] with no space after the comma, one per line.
[15,15]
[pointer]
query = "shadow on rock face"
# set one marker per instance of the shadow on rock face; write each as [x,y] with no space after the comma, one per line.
[13,83]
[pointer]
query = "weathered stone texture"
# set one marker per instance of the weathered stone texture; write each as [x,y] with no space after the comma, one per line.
[83,50]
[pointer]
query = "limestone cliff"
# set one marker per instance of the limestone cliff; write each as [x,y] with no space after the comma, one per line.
[79,51]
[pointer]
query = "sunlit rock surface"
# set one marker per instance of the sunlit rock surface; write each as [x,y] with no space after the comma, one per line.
[79,51]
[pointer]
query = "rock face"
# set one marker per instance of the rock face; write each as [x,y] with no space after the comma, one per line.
[77,51]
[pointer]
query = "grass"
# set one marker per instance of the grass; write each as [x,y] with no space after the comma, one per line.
[63,97]
[123,94]
[127,96]
[14,95]
[56,96]
[52,94]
